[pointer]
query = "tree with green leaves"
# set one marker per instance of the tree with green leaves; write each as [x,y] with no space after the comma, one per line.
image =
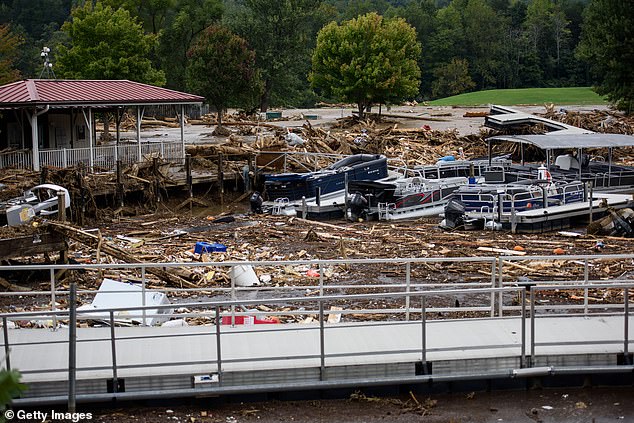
[222,68]
[9,51]
[366,60]
[10,387]
[282,35]
[452,79]
[606,43]
[186,22]
[152,13]
[106,44]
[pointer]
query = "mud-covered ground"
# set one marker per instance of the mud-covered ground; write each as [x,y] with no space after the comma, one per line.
[561,405]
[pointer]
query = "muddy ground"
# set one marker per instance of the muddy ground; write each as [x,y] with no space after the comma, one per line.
[561,405]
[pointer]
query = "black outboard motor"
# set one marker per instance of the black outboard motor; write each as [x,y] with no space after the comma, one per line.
[256,201]
[358,206]
[454,214]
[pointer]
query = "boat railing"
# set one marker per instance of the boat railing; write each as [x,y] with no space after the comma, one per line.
[385,210]
[573,190]
[279,204]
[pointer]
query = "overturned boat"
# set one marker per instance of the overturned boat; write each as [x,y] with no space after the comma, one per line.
[41,200]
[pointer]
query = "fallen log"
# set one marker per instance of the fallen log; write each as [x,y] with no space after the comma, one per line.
[91,240]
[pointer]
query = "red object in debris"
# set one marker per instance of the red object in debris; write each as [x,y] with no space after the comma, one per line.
[249,320]
[312,273]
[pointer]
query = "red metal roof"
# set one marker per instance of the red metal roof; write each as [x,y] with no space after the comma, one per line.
[87,92]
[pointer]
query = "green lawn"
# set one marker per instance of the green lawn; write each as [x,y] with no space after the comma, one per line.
[524,96]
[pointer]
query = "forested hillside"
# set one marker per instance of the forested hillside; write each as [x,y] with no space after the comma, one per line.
[466,45]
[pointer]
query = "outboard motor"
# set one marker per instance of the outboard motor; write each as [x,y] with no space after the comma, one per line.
[256,201]
[454,214]
[358,205]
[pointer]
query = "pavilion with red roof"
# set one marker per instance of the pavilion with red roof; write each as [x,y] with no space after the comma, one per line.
[52,122]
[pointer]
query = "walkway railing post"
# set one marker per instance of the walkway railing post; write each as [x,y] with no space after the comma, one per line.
[408,278]
[321,277]
[532,356]
[5,331]
[500,284]
[493,279]
[53,299]
[423,319]
[143,283]
[72,347]
[626,337]
[113,348]
[523,354]
[322,342]
[586,278]
[218,347]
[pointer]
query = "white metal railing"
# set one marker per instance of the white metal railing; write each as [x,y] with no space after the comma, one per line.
[16,159]
[104,157]
[526,308]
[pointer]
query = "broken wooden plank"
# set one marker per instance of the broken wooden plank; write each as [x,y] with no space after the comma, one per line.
[502,251]
[91,240]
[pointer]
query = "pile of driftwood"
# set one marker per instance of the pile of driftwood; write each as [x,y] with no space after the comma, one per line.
[598,120]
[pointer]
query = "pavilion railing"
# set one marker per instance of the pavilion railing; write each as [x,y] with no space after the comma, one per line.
[104,157]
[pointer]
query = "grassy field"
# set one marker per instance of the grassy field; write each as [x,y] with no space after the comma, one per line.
[524,96]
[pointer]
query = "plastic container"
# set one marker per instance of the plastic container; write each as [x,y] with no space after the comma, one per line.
[206,247]
[244,275]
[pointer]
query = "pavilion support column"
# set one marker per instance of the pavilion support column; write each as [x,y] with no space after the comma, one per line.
[90,125]
[183,131]
[139,117]
[117,118]
[35,141]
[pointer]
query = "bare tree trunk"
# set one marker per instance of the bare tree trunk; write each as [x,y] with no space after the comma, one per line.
[361,106]
[266,96]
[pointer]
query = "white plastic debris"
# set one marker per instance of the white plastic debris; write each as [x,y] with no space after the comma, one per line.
[175,323]
[113,294]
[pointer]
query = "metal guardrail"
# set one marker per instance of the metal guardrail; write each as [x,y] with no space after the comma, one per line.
[500,287]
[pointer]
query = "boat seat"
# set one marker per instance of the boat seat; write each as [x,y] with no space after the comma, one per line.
[567,162]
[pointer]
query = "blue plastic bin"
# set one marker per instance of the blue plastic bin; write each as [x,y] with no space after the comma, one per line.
[206,247]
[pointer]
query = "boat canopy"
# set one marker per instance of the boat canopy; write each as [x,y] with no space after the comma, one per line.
[554,141]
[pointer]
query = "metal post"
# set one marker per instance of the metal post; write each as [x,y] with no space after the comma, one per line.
[218,346]
[321,279]
[113,350]
[53,299]
[423,319]
[585,282]
[143,281]
[626,326]
[5,331]
[234,297]
[523,353]
[532,326]
[72,347]
[500,284]
[322,343]
[493,280]
[408,272]
[590,199]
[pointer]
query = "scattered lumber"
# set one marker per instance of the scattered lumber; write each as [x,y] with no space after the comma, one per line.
[93,241]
